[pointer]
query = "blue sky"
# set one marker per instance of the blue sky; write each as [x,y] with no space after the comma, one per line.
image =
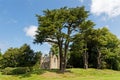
[18,21]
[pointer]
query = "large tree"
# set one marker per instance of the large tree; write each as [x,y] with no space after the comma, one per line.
[81,42]
[59,26]
[102,48]
[102,39]
[98,39]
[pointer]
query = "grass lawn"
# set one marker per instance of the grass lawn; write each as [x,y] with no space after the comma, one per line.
[74,74]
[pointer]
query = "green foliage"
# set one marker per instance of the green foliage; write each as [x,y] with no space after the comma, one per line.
[10,57]
[54,49]
[26,57]
[38,60]
[103,39]
[113,62]
[76,60]
[0,60]
[19,57]
[7,71]
[55,23]
[21,70]
[59,26]
[15,71]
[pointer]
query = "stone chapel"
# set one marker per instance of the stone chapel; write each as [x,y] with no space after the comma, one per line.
[50,61]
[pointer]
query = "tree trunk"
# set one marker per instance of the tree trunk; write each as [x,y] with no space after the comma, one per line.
[98,59]
[65,63]
[85,59]
[61,64]
[61,58]
[65,54]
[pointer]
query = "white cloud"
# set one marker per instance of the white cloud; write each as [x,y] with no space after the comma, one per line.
[30,31]
[109,7]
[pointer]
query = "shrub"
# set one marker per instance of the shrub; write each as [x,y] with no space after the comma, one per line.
[7,71]
[21,70]
[15,71]
[103,65]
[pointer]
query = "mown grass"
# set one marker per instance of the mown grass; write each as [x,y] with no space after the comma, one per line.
[74,74]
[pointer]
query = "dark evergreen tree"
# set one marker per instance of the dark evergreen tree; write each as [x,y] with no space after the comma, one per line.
[59,26]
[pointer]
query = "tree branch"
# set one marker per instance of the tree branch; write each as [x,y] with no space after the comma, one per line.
[51,41]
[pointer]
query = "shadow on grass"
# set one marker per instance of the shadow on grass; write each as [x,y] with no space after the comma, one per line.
[42,71]
[58,71]
[29,74]
[23,75]
[38,72]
